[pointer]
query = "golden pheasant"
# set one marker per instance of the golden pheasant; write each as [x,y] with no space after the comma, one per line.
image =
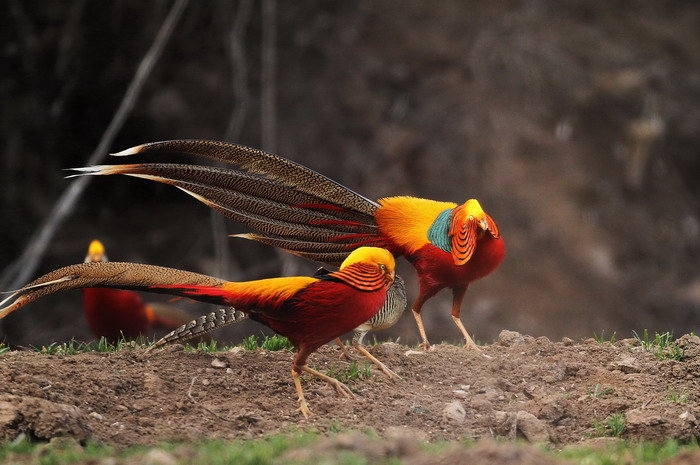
[387,317]
[117,313]
[309,311]
[299,210]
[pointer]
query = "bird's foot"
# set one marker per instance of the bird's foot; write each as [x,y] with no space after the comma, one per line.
[387,371]
[344,354]
[340,388]
[304,408]
[379,364]
[472,346]
[425,345]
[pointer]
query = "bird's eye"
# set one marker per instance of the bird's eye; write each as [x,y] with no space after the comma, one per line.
[382,266]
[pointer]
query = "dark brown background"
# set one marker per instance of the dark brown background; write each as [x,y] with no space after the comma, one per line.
[577,125]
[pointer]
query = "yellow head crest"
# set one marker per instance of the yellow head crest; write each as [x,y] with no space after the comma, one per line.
[374,255]
[96,252]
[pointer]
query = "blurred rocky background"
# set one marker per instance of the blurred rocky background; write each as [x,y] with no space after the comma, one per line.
[576,124]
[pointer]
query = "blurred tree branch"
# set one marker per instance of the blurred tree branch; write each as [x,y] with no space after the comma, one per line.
[21,269]
[241,97]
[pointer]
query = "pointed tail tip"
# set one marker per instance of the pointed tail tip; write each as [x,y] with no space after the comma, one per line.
[99,170]
[86,171]
[6,310]
[130,151]
[248,236]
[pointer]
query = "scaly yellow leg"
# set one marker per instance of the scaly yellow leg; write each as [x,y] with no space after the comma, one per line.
[303,406]
[470,342]
[457,298]
[344,350]
[340,388]
[419,321]
[379,364]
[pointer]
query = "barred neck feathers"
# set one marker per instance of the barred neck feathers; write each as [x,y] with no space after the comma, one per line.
[366,269]
[268,293]
[361,276]
[456,230]
[407,220]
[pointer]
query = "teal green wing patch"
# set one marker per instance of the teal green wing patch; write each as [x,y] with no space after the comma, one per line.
[438,234]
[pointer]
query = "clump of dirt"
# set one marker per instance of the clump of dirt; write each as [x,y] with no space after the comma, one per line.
[520,387]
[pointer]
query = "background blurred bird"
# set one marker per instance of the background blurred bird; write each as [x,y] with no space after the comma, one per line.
[115,313]
[295,208]
[309,311]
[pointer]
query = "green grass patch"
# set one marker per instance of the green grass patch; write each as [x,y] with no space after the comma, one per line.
[275,343]
[612,426]
[599,391]
[298,447]
[202,346]
[74,347]
[252,342]
[352,372]
[602,339]
[677,397]
[271,343]
[638,453]
[661,345]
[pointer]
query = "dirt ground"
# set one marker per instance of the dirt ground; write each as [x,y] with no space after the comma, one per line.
[543,392]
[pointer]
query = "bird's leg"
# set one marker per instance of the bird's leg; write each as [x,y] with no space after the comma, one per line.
[298,366]
[344,352]
[457,297]
[379,364]
[339,387]
[425,345]
[303,406]
[417,305]
[357,339]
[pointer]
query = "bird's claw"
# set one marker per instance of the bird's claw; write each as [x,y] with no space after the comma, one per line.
[377,363]
[387,371]
[341,389]
[425,345]
[304,408]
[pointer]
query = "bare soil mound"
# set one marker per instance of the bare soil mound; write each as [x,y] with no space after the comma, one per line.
[545,392]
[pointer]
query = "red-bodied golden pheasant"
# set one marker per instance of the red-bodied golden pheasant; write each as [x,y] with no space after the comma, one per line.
[309,311]
[299,210]
[117,313]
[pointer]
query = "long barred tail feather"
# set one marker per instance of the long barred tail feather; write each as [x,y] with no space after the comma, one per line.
[283,201]
[265,165]
[121,275]
[329,252]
